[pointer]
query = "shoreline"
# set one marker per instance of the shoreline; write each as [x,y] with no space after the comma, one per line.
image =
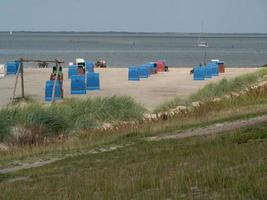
[171,67]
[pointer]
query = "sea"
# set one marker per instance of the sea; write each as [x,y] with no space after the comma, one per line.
[133,49]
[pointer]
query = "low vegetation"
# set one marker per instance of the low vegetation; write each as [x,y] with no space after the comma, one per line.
[228,166]
[168,105]
[65,118]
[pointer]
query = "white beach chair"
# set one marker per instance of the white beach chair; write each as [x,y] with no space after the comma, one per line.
[2,71]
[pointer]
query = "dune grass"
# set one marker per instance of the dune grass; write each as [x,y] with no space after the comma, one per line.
[214,90]
[237,108]
[227,166]
[168,105]
[106,109]
[68,117]
[225,86]
[242,107]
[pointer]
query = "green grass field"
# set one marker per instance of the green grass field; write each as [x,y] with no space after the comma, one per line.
[228,166]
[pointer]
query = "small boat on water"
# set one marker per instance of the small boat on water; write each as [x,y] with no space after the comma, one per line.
[202,44]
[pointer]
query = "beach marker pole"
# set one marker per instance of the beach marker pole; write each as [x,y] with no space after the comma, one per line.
[22,78]
[20,71]
[16,82]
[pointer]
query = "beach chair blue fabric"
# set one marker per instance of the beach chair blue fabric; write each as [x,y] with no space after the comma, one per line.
[153,67]
[93,82]
[133,74]
[208,71]
[144,71]
[72,71]
[49,90]
[12,68]
[89,66]
[78,84]
[199,73]
[215,69]
[148,68]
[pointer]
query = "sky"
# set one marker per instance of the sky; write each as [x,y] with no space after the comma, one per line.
[211,16]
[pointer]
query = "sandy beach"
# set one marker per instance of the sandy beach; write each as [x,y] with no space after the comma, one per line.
[114,81]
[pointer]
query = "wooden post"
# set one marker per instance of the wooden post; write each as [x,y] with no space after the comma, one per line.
[61,89]
[16,82]
[22,78]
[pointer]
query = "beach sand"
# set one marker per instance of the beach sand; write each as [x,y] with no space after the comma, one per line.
[149,92]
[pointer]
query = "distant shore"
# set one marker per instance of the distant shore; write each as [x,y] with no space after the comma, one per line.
[188,34]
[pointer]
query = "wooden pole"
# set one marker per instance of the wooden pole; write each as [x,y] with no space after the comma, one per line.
[22,78]
[16,82]
[61,89]
[55,81]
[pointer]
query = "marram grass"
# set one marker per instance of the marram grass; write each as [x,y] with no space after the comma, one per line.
[69,116]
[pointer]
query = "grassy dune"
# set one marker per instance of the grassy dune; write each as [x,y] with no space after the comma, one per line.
[68,117]
[216,90]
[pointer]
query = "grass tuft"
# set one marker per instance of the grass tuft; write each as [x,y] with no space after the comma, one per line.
[70,116]
[252,134]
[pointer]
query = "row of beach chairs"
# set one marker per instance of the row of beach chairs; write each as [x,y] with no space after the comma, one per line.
[213,68]
[82,78]
[135,73]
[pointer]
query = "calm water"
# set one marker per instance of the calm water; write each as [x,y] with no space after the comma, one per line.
[124,49]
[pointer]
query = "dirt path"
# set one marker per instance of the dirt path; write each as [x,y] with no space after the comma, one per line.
[27,166]
[52,160]
[212,129]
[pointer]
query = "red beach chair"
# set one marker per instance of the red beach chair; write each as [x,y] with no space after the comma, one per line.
[160,66]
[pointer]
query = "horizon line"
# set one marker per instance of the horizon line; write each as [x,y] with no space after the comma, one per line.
[135,32]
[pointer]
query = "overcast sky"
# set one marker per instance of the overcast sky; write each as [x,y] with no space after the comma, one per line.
[224,16]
